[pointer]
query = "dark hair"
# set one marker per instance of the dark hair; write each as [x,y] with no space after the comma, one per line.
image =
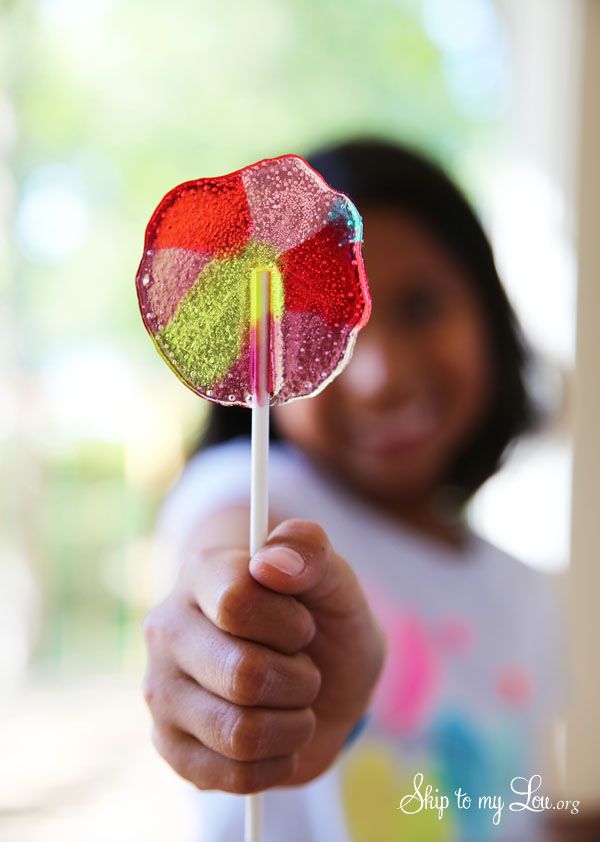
[379,172]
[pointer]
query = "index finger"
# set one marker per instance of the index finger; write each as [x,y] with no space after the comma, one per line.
[219,582]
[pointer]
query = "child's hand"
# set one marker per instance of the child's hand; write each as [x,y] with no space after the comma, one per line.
[257,676]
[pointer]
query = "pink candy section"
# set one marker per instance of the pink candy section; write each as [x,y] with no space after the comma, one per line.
[234,388]
[288,201]
[304,353]
[164,278]
[312,352]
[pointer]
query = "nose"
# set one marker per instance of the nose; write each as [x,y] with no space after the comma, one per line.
[381,371]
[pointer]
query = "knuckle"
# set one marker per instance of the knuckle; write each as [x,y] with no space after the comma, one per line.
[246,736]
[246,778]
[190,563]
[310,724]
[159,627]
[317,535]
[163,742]
[307,532]
[149,690]
[312,679]
[149,628]
[299,672]
[161,696]
[233,607]
[154,695]
[178,756]
[306,627]
[317,681]
[158,740]
[247,678]
[254,776]
[197,560]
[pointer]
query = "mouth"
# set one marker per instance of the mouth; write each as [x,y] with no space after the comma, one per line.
[399,430]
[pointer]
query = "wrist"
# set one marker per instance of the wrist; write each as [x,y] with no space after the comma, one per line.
[357,730]
[325,747]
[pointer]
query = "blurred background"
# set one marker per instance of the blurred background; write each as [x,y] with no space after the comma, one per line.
[106,105]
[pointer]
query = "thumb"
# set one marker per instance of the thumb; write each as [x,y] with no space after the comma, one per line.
[298,559]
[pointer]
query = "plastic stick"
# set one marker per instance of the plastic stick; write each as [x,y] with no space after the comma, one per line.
[259,491]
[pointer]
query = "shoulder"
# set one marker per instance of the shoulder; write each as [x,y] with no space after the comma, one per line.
[532,599]
[510,572]
[526,610]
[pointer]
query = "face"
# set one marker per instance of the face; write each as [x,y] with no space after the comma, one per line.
[418,382]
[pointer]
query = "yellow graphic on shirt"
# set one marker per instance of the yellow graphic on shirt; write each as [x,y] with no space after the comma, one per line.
[372,786]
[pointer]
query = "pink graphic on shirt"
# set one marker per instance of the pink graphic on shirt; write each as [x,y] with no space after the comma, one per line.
[514,685]
[410,680]
[455,635]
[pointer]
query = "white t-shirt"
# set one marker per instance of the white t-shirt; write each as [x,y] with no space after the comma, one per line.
[470,673]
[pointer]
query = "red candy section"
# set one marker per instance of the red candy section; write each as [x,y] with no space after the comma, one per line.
[209,216]
[322,277]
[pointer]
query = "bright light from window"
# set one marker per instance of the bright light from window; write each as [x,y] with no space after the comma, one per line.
[52,217]
[474,45]
[90,393]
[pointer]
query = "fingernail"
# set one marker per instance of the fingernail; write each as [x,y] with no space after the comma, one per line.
[282,558]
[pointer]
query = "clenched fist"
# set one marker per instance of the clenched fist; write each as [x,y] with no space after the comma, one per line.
[259,669]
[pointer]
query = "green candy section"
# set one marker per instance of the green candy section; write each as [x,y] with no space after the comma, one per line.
[207,332]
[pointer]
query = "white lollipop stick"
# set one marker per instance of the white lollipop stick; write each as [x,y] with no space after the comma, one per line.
[259,488]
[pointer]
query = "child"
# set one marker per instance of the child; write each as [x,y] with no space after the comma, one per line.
[262,673]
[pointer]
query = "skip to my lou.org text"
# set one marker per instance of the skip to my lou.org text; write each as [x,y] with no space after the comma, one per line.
[526,791]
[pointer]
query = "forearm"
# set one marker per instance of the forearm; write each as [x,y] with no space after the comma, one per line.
[225,527]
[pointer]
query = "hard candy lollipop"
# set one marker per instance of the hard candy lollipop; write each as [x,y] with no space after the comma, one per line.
[253,288]
[205,245]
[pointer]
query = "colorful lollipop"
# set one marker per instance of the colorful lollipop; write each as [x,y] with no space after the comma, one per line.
[205,245]
[253,288]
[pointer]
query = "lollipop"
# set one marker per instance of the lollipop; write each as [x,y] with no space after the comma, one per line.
[253,288]
[207,242]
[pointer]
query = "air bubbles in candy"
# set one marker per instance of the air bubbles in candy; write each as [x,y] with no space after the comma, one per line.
[205,245]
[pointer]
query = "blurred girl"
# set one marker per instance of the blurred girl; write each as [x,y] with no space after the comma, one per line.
[262,674]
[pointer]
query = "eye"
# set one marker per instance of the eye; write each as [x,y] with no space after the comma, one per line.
[420,306]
